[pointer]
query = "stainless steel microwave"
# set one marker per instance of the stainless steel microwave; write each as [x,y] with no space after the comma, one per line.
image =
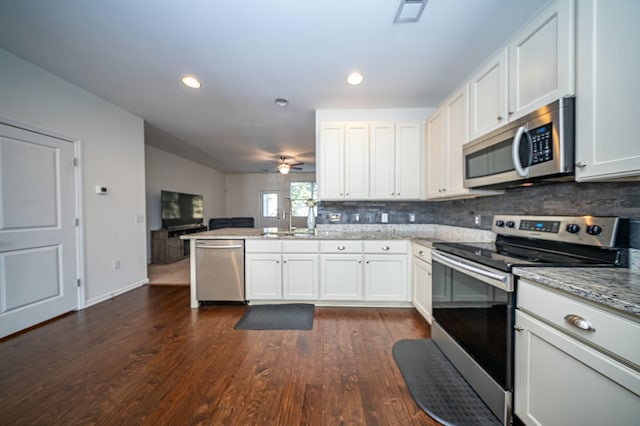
[538,147]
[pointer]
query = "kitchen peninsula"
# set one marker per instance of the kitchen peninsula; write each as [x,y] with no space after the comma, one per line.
[338,265]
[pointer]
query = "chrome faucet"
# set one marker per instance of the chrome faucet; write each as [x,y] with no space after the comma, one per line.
[285,213]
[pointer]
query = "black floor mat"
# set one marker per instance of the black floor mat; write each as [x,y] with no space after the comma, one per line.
[437,387]
[292,316]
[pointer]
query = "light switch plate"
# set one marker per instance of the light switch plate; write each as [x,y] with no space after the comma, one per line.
[384,217]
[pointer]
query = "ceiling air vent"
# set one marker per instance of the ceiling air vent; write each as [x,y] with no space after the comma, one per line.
[409,11]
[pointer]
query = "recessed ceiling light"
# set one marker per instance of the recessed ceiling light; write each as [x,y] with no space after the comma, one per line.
[191,81]
[281,102]
[355,78]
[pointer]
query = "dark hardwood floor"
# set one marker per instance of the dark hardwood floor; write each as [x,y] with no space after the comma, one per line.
[145,357]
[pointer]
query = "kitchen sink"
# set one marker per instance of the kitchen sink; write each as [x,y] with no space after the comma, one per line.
[297,233]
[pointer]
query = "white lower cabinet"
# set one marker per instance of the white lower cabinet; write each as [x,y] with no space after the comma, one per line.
[341,277]
[263,276]
[332,270]
[299,276]
[421,279]
[386,274]
[565,377]
[273,272]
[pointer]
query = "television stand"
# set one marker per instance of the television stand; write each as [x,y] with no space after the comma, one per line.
[166,245]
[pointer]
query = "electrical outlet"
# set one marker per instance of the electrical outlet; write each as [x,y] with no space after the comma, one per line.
[384,217]
[356,217]
[335,217]
[412,217]
[478,220]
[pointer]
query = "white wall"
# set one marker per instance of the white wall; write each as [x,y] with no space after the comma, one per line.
[112,142]
[372,114]
[173,173]
[243,192]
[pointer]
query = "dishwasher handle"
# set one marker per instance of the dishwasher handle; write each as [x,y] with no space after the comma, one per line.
[218,247]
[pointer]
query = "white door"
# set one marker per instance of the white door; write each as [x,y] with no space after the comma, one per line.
[488,97]
[409,175]
[385,277]
[271,209]
[382,165]
[356,161]
[38,263]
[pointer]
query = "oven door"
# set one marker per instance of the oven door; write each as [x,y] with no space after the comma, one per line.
[473,314]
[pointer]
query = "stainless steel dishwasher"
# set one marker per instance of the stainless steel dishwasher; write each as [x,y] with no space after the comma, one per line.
[220,270]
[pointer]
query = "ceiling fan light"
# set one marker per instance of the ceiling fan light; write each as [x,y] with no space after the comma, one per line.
[283,168]
[355,78]
[191,81]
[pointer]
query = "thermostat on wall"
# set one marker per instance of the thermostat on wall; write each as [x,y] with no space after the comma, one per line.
[101,190]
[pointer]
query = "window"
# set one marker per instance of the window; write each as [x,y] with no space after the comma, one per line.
[300,193]
[270,204]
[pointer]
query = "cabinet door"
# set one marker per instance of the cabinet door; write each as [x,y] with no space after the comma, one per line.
[382,167]
[356,161]
[541,60]
[607,95]
[385,277]
[560,381]
[263,276]
[300,276]
[409,160]
[457,134]
[436,155]
[422,288]
[488,97]
[341,277]
[331,161]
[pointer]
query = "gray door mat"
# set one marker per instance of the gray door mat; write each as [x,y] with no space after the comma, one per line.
[437,387]
[291,316]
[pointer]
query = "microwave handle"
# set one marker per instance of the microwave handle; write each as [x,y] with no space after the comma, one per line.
[515,152]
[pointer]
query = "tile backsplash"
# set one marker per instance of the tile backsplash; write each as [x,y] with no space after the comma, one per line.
[597,199]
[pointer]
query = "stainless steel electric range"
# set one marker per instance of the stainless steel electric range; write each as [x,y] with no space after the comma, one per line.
[474,290]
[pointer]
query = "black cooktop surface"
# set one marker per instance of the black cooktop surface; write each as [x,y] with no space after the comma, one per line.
[504,255]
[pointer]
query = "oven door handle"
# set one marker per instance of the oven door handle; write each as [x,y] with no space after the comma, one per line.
[502,281]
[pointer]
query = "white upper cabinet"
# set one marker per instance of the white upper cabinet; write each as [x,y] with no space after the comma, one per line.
[409,160]
[371,160]
[488,96]
[343,161]
[541,60]
[356,161]
[331,161]
[534,69]
[436,155]
[383,164]
[607,90]
[447,131]
[396,160]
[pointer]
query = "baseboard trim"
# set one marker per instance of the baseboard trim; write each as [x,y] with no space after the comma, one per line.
[118,292]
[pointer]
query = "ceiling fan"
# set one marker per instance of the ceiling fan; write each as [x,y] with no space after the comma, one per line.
[284,167]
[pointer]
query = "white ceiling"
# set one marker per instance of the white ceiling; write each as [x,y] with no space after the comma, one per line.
[246,53]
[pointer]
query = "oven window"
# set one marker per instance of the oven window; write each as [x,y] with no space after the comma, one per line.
[477,316]
[490,161]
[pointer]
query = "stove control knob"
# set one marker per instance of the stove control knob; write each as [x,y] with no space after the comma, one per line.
[510,224]
[594,229]
[573,228]
[500,223]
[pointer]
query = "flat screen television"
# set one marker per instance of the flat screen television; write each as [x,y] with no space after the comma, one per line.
[179,209]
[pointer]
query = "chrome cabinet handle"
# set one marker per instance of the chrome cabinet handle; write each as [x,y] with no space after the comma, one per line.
[500,118]
[341,248]
[579,322]
[421,252]
[518,328]
[385,248]
[581,164]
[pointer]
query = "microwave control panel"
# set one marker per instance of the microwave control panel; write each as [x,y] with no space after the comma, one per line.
[541,145]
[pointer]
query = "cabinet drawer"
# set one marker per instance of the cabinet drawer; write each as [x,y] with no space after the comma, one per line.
[261,246]
[300,246]
[384,246]
[421,252]
[341,246]
[616,334]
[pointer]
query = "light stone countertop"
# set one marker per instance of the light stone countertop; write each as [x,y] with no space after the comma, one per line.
[615,288]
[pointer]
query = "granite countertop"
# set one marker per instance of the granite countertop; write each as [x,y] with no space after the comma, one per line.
[615,288]
[304,234]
